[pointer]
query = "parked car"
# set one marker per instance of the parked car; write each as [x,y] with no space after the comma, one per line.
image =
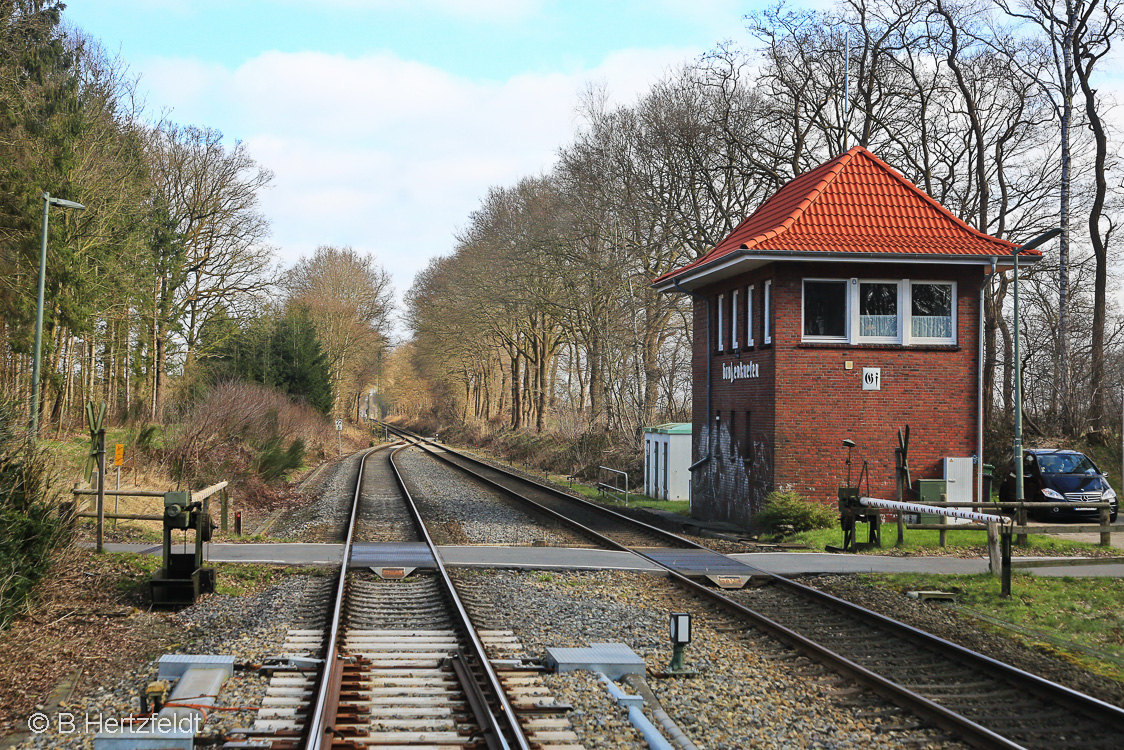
[1054,476]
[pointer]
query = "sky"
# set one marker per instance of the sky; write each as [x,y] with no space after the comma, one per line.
[386,121]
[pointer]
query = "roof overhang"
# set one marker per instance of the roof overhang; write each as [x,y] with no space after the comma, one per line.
[742,261]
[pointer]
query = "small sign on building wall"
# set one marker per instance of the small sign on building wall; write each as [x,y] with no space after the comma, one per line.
[872,378]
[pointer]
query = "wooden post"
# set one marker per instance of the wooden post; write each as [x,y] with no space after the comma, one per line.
[901,490]
[225,507]
[1005,585]
[1021,515]
[117,497]
[101,492]
[1106,536]
[994,550]
[944,522]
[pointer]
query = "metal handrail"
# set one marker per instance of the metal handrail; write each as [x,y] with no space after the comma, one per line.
[604,486]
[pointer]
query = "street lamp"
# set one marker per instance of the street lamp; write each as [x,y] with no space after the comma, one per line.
[1018,446]
[48,201]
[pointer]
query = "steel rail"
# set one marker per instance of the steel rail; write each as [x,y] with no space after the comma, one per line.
[972,732]
[323,712]
[673,539]
[510,720]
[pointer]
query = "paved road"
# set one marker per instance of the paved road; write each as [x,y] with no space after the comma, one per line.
[561,558]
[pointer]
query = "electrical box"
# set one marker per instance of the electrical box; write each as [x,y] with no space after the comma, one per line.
[930,491]
[959,477]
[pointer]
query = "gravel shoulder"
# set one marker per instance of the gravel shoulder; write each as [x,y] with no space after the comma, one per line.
[459,511]
[248,627]
[750,692]
[935,618]
[324,503]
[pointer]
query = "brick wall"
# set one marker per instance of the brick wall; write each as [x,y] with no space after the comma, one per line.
[804,401]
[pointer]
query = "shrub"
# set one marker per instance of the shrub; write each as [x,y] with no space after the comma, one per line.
[792,512]
[31,526]
[275,461]
[241,429]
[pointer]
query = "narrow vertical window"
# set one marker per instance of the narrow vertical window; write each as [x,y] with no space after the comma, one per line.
[721,328]
[767,312]
[734,319]
[749,315]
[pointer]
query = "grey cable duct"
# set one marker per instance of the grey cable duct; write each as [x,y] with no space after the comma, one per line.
[682,741]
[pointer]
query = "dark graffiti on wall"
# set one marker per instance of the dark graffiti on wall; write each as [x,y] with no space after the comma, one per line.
[733,485]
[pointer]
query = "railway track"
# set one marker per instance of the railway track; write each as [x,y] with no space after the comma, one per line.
[398,663]
[984,702]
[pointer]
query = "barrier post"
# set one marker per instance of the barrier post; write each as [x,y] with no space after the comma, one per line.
[944,522]
[224,499]
[901,518]
[101,492]
[994,551]
[1005,586]
[1106,536]
[1021,515]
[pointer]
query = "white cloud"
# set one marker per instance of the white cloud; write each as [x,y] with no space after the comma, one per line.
[384,154]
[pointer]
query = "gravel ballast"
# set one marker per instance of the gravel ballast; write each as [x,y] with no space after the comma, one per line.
[750,692]
[458,511]
[326,507]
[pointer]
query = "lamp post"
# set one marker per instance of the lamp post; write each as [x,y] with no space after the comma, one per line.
[48,201]
[1018,446]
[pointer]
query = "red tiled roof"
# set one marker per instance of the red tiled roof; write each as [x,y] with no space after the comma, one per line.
[855,203]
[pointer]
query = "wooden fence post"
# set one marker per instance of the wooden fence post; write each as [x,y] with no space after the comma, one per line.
[1021,515]
[994,551]
[225,507]
[1106,536]
[101,492]
[944,522]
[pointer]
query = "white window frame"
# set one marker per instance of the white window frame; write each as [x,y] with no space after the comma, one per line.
[852,316]
[721,333]
[767,336]
[856,315]
[847,317]
[734,320]
[908,330]
[749,316]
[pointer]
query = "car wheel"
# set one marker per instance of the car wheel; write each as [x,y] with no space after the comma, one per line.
[1112,516]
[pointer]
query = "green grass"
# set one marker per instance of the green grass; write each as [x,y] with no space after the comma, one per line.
[70,452]
[924,539]
[240,579]
[635,500]
[133,572]
[1080,620]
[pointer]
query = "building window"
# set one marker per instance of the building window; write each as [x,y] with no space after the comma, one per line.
[825,309]
[861,311]
[749,316]
[734,319]
[721,328]
[878,311]
[931,306]
[767,313]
